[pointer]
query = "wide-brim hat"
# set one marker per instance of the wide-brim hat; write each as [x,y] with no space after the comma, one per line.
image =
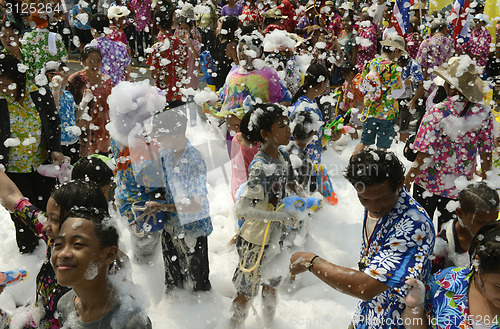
[396,41]
[461,72]
[273,13]
[118,12]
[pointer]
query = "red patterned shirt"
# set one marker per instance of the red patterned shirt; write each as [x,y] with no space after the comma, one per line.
[478,46]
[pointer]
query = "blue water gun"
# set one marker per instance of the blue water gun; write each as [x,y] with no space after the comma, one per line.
[207,66]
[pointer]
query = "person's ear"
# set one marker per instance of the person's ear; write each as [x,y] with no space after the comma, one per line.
[108,255]
[460,213]
[265,135]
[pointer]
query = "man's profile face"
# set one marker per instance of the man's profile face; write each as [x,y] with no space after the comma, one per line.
[378,199]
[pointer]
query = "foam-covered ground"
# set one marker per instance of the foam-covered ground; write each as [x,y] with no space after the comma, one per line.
[334,233]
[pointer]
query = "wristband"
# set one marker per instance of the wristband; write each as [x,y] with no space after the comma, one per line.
[311,263]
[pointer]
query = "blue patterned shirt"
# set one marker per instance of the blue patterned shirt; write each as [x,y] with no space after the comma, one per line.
[449,307]
[403,241]
[67,108]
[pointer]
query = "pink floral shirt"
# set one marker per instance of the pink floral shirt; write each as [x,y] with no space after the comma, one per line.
[413,41]
[453,143]
[435,51]
[142,14]
[367,41]
[478,46]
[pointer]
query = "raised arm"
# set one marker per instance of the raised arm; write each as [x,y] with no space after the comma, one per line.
[9,193]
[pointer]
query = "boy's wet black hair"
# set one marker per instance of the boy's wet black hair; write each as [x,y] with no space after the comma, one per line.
[370,167]
[78,193]
[89,50]
[163,17]
[478,197]
[99,22]
[9,68]
[346,68]
[92,169]
[486,246]
[301,125]
[105,231]
[263,117]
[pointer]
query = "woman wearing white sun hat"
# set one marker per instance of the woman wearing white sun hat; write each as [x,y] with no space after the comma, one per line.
[449,138]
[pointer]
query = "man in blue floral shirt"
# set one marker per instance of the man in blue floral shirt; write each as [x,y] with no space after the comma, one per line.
[398,238]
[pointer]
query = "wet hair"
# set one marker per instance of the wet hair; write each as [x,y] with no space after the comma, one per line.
[315,74]
[105,231]
[92,169]
[87,51]
[230,24]
[187,21]
[440,95]
[244,129]
[9,68]
[78,193]
[347,68]
[263,117]
[169,122]
[438,25]
[99,22]
[12,25]
[486,246]
[371,167]
[302,125]
[478,197]
[163,17]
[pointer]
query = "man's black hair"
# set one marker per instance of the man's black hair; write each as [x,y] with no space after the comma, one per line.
[163,17]
[478,197]
[486,246]
[99,22]
[372,167]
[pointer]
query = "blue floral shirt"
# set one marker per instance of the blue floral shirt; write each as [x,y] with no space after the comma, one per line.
[315,147]
[67,109]
[449,307]
[127,191]
[402,243]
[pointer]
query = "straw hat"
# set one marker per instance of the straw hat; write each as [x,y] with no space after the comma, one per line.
[273,13]
[118,12]
[396,41]
[461,73]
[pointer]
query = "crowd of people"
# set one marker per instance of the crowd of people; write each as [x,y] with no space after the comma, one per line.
[285,80]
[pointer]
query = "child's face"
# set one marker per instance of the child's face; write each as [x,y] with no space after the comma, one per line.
[280,131]
[51,226]
[93,62]
[77,256]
